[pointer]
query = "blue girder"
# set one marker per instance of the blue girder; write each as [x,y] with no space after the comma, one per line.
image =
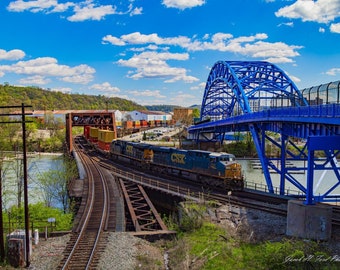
[259,97]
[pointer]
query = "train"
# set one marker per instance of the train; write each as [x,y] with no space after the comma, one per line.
[210,169]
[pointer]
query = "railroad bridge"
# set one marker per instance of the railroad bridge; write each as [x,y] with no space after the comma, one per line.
[102,119]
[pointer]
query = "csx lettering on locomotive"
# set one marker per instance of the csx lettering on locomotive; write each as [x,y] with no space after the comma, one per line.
[178,158]
[129,149]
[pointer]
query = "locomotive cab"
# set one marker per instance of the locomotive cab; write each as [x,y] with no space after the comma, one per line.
[232,169]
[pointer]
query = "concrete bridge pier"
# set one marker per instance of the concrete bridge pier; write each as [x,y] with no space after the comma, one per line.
[309,221]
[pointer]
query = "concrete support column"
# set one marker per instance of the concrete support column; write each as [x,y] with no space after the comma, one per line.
[309,221]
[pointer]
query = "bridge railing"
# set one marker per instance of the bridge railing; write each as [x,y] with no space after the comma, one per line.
[327,110]
[175,190]
[288,192]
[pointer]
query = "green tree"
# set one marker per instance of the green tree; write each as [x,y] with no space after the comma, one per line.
[195,113]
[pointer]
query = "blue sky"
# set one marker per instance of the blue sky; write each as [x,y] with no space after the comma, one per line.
[161,51]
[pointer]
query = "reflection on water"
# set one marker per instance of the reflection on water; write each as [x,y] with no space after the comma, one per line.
[12,177]
[323,180]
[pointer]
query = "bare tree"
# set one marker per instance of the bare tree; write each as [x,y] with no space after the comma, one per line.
[53,183]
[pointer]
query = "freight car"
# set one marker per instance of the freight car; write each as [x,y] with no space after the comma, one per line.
[208,168]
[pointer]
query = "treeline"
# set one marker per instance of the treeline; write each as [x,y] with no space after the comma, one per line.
[41,99]
[168,108]
[161,108]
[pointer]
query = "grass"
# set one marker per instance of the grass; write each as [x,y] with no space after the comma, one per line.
[211,248]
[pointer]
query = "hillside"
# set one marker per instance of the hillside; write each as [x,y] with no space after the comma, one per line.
[41,99]
[168,108]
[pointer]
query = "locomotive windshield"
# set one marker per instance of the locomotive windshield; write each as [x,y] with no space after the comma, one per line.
[228,158]
[223,157]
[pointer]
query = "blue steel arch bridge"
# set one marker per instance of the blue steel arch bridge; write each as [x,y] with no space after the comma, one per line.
[258,97]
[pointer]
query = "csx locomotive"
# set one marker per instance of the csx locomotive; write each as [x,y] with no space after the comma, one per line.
[209,168]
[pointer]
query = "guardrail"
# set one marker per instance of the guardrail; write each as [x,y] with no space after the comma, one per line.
[288,192]
[159,185]
[327,110]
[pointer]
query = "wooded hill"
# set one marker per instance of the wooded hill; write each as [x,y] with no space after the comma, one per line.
[41,99]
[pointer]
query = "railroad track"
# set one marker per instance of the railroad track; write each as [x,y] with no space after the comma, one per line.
[268,205]
[336,216]
[80,252]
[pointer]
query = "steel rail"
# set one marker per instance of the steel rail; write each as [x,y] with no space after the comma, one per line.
[87,161]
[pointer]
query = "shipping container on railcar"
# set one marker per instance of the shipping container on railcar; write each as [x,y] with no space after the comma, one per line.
[87,132]
[136,124]
[144,123]
[105,138]
[119,124]
[128,124]
[151,123]
[93,134]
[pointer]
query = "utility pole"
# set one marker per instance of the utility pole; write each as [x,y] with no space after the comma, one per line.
[2,247]
[23,123]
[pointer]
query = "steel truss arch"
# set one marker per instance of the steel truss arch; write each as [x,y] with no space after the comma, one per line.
[240,87]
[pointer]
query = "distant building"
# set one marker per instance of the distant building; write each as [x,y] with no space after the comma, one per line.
[182,115]
[147,116]
[41,114]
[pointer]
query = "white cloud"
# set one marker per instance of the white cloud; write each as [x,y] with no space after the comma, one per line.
[88,11]
[333,71]
[135,10]
[335,28]
[183,4]
[38,6]
[289,24]
[49,67]
[34,80]
[185,99]
[153,65]
[294,78]
[251,46]
[11,55]
[81,10]
[146,93]
[105,87]
[321,11]
[113,40]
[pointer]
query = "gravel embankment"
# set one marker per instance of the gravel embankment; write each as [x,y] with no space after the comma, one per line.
[121,253]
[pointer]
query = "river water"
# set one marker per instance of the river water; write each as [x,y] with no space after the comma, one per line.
[12,174]
[323,180]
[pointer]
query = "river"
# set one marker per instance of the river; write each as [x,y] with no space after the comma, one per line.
[12,174]
[323,180]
